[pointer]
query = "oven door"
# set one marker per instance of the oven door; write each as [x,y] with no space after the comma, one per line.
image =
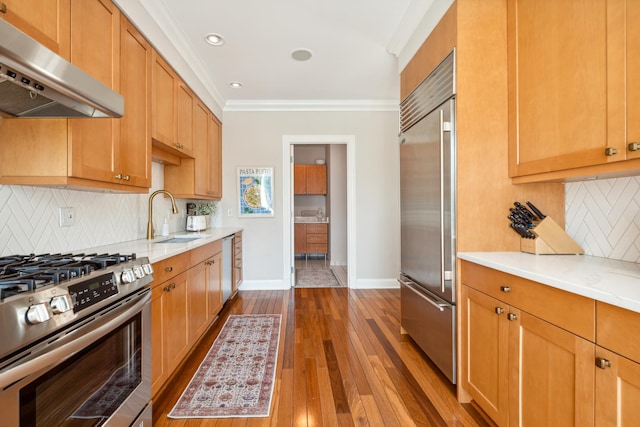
[95,374]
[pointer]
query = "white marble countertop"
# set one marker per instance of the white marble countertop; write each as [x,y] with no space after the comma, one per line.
[612,281]
[310,220]
[156,251]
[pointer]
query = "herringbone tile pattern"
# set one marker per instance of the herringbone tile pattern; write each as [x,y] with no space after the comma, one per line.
[603,216]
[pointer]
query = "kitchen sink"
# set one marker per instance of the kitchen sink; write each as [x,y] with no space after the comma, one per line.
[182,239]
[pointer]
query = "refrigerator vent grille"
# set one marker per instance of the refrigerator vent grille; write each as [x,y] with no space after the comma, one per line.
[435,89]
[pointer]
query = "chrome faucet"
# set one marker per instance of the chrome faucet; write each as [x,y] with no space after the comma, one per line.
[174,208]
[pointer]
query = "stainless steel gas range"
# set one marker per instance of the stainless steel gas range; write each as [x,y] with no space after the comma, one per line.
[75,340]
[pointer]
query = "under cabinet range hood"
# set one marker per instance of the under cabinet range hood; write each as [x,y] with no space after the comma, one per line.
[36,82]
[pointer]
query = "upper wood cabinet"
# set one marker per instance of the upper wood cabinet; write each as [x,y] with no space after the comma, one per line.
[200,177]
[172,110]
[572,112]
[90,153]
[46,21]
[310,179]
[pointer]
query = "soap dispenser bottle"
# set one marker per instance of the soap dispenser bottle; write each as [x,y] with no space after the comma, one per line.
[165,227]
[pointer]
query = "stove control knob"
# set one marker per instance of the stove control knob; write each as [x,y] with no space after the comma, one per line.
[148,269]
[38,313]
[127,276]
[138,271]
[60,304]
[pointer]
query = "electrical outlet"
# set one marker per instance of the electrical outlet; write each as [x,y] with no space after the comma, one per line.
[229,212]
[67,217]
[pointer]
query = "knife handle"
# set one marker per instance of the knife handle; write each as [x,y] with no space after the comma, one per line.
[536,211]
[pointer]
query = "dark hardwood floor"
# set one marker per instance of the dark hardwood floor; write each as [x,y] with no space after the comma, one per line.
[342,361]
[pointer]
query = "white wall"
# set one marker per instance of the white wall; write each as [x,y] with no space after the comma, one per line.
[338,203]
[255,139]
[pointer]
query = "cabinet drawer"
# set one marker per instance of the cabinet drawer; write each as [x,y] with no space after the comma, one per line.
[207,251]
[618,330]
[316,238]
[316,248]
[167,268]
[569,311]
[316,228]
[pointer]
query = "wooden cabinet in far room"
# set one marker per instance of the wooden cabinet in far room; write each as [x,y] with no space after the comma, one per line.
[574,91]
[310,179]
[521,340]
[310,238]
[46,21]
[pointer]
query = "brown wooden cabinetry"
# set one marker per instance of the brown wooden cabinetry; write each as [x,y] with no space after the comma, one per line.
[310,179]
[172,109]
[200,177]
[617,366]
[574,106]
[90,153]
[517,345]
[311,238]
[237,262]
[45,21]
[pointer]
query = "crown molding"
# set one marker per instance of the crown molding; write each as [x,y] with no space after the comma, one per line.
[313,105]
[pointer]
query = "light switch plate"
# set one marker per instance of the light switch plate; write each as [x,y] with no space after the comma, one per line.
[67,217]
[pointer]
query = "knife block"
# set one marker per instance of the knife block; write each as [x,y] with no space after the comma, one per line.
[550,239]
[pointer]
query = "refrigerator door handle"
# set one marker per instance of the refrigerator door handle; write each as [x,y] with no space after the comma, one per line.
[442,281]
[438,305]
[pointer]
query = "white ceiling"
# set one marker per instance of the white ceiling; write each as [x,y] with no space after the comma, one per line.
[356,46]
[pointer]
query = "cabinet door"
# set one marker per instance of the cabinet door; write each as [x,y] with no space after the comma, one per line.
[214,280]
[300,238]
[201,149]
[617,391]
[485,332]
[316,179]
[214,136]
[633,75]
[184,119]
[163,101]
[95,48]
[46,21]
[559,83]
[198,318]
[134,149]
[551,374]
[176,325]
[299,179]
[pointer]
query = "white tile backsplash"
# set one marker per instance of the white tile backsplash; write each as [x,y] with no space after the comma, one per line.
[29,217]
[603,216]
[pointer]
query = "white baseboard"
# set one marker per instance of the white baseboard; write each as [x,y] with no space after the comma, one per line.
[376,284]
[264,285]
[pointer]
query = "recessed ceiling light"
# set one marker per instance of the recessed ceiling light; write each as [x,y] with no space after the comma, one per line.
[214,39]
[301,54]
[235,85]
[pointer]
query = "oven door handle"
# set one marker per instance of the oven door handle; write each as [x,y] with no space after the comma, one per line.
[54,356]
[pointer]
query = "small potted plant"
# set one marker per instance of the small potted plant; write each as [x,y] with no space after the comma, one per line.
[205,208]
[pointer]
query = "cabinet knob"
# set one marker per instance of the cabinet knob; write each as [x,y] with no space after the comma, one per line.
[603,363]
[118,176]
[506,289]
[499,310]
[126,178]
[3,8]
[609,151]
[512,316]
[633,146]
[168,269]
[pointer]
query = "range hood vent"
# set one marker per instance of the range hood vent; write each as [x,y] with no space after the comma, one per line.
[36,82]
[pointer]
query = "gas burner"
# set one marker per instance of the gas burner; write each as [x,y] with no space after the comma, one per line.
[23,273]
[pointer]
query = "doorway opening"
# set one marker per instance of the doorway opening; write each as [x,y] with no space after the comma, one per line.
[326,213]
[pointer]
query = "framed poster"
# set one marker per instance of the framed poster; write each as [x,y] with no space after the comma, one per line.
[255,191]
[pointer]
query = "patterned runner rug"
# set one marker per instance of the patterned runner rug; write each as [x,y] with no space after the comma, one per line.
[236,377]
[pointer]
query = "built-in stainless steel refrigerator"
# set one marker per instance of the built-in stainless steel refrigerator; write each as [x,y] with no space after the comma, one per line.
[427,180]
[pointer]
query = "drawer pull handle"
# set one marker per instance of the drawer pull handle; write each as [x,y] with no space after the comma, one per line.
[609,151]
[499,310]
[633,146]
[506,289]
[512,316]
[168,269]
[603,363]
[3,8]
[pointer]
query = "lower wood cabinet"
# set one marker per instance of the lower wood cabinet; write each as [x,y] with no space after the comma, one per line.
[522,369]
[184,303]
[311,238]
